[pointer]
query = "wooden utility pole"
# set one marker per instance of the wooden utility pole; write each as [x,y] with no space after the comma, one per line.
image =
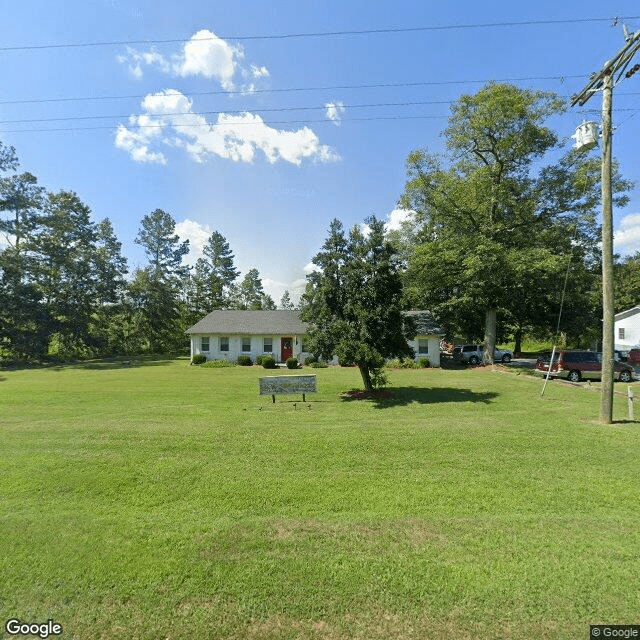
[604,81]
[608,337]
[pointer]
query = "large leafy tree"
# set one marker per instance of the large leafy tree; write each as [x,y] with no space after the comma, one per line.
[155,293]
[353,300]
[627,282]
[490,217]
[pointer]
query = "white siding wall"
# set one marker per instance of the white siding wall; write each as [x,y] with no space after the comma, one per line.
[631,326]
[433,343]
[235,347]
[257,342]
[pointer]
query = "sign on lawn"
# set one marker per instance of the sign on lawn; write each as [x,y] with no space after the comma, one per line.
[271,385]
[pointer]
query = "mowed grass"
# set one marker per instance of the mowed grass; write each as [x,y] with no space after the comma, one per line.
[159,500]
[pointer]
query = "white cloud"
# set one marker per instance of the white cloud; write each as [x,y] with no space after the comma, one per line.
[135,59]
[136,143]
[627,237]
[276,288]
[397,217]
[259,72]
[235,137]
[335,111]
[208,56]
[197,234]
[204,55]
[394,221]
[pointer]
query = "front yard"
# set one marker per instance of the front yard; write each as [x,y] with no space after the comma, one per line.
[159,500]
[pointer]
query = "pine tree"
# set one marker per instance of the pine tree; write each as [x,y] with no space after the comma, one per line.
[250,293]
[64,248]
[285,301]
[212,280]
[155,291]
[353,301]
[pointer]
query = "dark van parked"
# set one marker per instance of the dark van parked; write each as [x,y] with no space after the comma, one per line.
[580,365]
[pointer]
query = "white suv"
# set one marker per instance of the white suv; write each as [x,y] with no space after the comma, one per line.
[473,354]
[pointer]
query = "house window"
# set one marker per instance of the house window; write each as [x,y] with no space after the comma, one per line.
[224,343]
[204,344]
[304,345]
[246,344]
[423,346]
[621,333]
[267,345]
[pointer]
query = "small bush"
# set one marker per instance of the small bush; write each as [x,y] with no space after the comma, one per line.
[424,363]
[198,358]
[292,363]
[404,363]
[218,364]
[244,360]
[310,360]
[318,364]
[268,362]
[259,360]
[378,378]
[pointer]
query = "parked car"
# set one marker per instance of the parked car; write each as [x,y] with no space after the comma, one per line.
[634,357]
[474,353]
[580,365]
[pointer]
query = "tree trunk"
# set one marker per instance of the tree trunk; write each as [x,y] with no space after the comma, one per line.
[366,377]
[518,346]
[490,335]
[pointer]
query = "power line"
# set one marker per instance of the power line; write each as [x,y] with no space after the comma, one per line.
[384,85]
[320,34]
[259,110]
[228,111]
[212,125]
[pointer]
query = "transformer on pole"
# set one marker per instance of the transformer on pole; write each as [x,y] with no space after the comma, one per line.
[586,136]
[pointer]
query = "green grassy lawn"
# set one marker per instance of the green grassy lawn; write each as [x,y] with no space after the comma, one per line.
[160,500]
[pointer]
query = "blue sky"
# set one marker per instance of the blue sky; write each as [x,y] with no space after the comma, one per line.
[306,127]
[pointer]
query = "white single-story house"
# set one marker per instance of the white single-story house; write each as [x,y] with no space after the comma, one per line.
[627,329]
[226,334]
[426,344]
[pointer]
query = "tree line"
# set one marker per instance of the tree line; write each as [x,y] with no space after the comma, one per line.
[502,243]
[66,290]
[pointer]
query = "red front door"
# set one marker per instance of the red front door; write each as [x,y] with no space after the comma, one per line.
[286,349]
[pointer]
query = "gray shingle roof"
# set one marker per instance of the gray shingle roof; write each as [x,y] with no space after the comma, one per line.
[283,323]
[251,323]
[425,323]
[627,314]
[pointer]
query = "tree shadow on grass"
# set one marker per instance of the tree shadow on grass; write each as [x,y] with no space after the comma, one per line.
[403,396]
